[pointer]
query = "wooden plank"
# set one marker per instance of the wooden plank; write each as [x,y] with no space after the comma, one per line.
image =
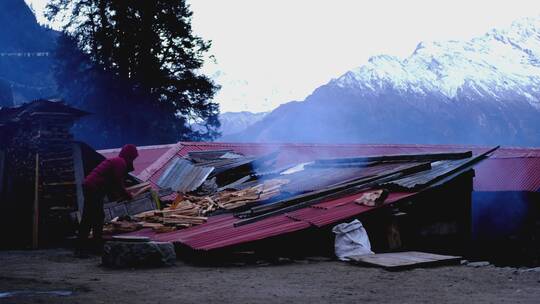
[141,190]
[400,260]
[137,187]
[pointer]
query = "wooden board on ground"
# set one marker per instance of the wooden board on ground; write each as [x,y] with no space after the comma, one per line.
[409,259]
[137,239]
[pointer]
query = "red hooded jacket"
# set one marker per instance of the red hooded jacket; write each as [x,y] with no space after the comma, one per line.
[108,177]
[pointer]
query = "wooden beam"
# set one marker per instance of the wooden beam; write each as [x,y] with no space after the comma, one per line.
[332,190]
[402,157]
[35,226]
[78,169]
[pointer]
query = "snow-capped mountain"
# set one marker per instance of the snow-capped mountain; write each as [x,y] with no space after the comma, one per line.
[234,122]
[500,63]
[482,91]
[25,52]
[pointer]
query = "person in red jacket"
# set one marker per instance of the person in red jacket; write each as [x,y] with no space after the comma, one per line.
[106,179]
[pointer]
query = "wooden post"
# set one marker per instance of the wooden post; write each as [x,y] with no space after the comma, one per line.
[2,169]
[79,178]
[35,230]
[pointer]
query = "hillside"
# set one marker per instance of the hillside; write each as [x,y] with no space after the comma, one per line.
[24,45]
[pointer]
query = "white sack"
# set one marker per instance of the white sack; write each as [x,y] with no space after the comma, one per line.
[351,240]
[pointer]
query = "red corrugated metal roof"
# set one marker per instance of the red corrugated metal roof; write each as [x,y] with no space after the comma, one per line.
[495,174]
[508,174]
[509,169]
[147,156]
[219,231]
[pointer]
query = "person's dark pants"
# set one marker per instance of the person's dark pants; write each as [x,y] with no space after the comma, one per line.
[92,220]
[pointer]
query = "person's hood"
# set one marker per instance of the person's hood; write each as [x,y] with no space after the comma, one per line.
[129,153]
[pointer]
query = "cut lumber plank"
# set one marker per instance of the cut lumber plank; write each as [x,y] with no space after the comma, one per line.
[152,225]
[138,186]
[141,190]
[177,216]
[400,260]
[181,221]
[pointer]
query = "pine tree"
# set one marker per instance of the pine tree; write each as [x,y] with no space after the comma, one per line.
[135,63]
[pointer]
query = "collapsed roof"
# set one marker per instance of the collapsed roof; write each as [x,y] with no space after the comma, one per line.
[320,192]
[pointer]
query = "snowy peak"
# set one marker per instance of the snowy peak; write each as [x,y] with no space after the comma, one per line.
[484,91]
[234,122]
[500,65]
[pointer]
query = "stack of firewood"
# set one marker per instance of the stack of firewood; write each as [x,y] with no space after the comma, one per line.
[170,219]
[188,210]
[234,199]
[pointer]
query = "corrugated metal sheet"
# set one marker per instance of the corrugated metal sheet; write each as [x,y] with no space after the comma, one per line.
[311,179]
[334,211]
[147,156]
[510,169]
[183,176]
[222,233]
[422,179]
[508,174]
[202,156]
[219,231]
[491,174]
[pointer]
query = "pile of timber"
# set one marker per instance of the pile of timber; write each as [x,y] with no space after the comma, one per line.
[234,199]
[169,219]
[188,210]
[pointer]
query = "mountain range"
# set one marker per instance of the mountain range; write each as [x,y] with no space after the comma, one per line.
[235,122]
[25,52]
[482,91]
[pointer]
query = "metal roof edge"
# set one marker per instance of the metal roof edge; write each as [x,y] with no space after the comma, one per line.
[515,152]
[117,150]
[147,173]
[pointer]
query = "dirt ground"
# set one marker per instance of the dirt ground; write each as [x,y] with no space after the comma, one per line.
[310,280]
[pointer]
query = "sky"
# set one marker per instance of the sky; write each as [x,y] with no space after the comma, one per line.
[269,52]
